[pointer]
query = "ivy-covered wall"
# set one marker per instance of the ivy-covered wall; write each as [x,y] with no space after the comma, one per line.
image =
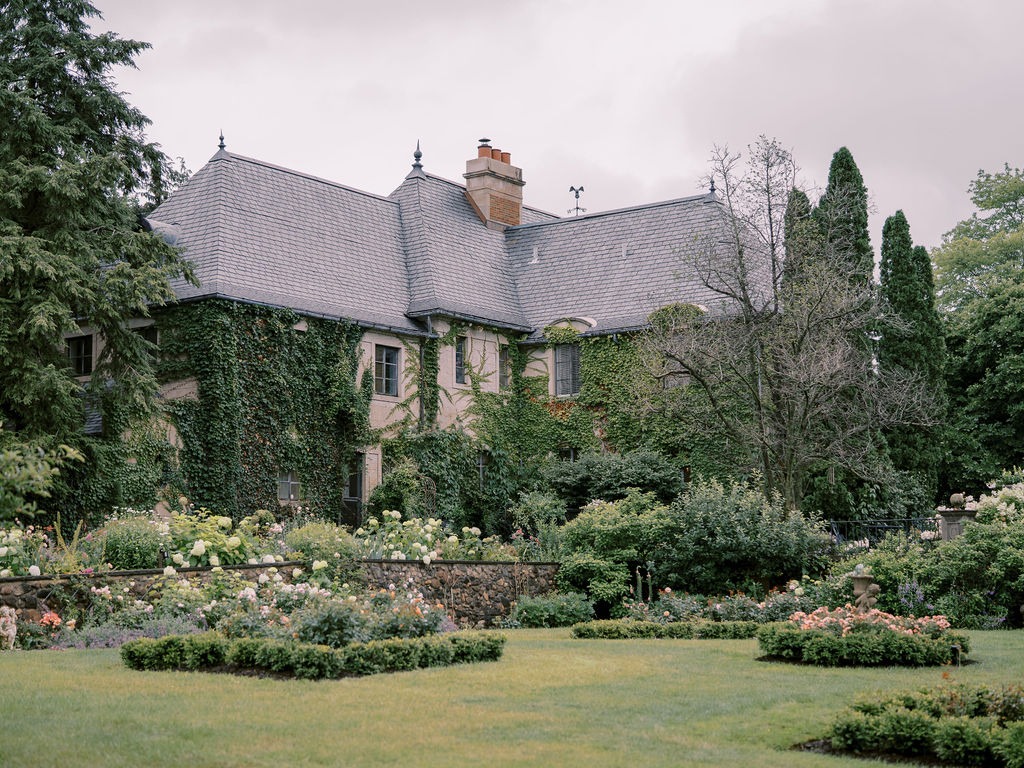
[276,393]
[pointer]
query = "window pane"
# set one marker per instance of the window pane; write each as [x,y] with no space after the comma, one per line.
[504,367]
[80,354]
[460,360]
[385,371]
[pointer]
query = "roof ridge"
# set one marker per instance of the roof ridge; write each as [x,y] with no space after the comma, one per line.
[301,174]
[615,211]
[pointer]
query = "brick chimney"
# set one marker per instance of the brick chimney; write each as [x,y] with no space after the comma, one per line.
[494,187]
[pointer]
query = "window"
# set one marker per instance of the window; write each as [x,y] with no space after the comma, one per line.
[288,487]
[150,334]
[80,354]
[567,369]
[460,360]
[568,454]
[385,370]
[504,367]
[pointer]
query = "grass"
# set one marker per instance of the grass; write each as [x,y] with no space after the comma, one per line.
[551,700]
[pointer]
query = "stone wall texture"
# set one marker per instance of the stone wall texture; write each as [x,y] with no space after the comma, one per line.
[474,593]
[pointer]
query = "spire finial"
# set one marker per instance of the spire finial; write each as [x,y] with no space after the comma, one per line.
[417,166]
[222,144]
[712,190]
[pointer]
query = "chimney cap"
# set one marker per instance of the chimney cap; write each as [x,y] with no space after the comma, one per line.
[484,142]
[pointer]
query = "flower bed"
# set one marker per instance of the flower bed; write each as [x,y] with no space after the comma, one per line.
[843,637]
[956,725]
[212,651]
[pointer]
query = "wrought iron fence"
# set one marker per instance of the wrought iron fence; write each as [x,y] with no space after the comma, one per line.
[853,534]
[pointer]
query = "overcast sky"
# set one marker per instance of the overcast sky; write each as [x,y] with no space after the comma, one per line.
[626,98]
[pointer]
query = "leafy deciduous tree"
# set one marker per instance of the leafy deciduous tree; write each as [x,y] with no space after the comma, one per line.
[781,360]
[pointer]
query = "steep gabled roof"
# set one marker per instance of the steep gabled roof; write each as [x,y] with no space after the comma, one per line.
[260,233]
[457,266]
[612,268]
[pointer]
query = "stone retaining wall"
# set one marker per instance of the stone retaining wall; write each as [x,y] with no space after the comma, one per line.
[474,593]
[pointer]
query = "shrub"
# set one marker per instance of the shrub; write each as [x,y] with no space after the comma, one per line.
[327,543]
[130,544]
[628,629]
[605,543]
[304,660]
[559,609]
[717,538]
[959,725]
[611,476]
[844,637]
[333,623]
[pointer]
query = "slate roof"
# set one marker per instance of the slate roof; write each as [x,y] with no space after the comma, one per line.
[260,233]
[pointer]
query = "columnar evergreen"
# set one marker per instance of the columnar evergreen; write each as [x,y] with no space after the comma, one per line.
[912,342]
[843,215]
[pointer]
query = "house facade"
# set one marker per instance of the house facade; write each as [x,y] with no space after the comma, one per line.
[404,308]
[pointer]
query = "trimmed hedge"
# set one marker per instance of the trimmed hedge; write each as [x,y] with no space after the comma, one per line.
[627,629]
[957,725]
[873,648]
[312,662]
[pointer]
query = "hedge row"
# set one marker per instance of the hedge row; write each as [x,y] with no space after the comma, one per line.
[211,650]
[881,648]
[960,725]
[628,629]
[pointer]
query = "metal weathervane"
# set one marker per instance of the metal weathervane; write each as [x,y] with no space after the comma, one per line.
[577,210]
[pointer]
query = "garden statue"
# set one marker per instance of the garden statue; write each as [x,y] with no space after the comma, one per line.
[867,599]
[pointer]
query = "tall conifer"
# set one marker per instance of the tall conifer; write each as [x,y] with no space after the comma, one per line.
[842,214]
[913,342]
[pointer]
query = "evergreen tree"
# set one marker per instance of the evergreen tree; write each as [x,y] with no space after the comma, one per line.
[842,214]
[75,170]
[801,236]
[912,343]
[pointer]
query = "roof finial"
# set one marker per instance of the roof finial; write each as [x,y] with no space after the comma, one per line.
[222,144]
[417,166]
[712,190]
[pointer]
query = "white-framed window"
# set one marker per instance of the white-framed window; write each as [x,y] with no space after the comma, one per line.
[289,489]
[460,359]
[385,370]
[567,369]
[80,354]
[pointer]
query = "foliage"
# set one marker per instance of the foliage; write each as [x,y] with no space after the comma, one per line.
[27,473]
[980,284]
[273,398]
[20,550]
[537,519]
[715,538]
[559,609]
[912,341]
[605,543]
[328,543]
[782,357]
[75,170]
[200,537]
[957,725]
[669,606]
[844,637]
[842,215]
[129,544]
[610,476]
[629,629]
[203,652]
[392,538]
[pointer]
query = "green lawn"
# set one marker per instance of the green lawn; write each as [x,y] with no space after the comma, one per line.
[551,701]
